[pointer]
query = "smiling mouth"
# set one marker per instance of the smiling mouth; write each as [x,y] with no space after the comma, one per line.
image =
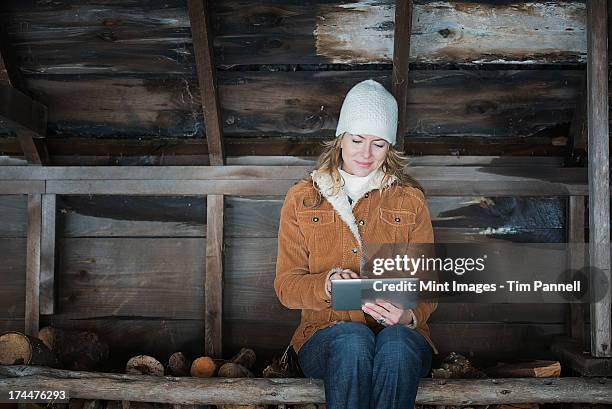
[364,165]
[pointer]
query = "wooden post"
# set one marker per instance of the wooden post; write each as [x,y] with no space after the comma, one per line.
[599,195]
[47,254]
[202,46]
[575,238]
[33,265]
[401,55]
[213,285]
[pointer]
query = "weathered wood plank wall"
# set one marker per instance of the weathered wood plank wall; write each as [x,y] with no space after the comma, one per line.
[131,268]
[127,70]
[290,32]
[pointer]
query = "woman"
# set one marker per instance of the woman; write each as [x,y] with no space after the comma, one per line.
[357,194]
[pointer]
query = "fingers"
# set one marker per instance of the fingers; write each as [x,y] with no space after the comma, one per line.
[351,273]
[383,309]
[390,307]
[344,275]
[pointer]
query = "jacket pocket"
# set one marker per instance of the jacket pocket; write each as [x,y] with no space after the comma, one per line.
[398,223]
[319,228]
[310,219]
[397,218]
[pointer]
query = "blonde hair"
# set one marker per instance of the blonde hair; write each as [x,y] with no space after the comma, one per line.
[393,165]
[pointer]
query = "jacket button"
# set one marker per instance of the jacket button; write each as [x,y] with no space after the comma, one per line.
[397,220]
[355,250]
[361,222]
[316,219]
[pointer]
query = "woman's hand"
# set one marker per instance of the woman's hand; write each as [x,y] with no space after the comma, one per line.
[387,314]
[345,274]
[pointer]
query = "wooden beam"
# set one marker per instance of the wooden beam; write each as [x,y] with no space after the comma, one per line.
[205,391]
[237,173]
[30,121]
[276,180]
[213,284]
[33,146]
[572,355]
[18,108]
[9,187]
[599,189]
[401,55]
[575,237]
[202,46]
[117,151]
[47,254]
[32,314]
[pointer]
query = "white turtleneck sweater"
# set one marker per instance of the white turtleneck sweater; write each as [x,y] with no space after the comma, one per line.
[356,186]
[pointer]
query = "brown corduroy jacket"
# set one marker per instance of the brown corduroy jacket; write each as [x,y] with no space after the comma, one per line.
[312,241]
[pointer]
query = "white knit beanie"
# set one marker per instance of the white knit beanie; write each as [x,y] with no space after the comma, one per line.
[369,109]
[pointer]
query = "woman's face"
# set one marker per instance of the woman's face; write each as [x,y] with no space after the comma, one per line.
[361,154]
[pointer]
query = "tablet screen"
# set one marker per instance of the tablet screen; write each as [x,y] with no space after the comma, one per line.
[351,294]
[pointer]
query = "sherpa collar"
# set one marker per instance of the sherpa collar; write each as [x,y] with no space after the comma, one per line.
[339,200]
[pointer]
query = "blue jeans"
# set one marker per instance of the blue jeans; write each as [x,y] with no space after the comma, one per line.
[363,370]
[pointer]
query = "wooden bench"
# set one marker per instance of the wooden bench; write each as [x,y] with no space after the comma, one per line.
[280,391]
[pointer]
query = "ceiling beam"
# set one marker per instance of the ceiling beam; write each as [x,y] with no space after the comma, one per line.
[401,55]
[202,47]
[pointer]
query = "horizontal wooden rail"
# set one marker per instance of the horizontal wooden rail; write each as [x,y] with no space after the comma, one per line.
[276,180]
[104,386]
[17,187]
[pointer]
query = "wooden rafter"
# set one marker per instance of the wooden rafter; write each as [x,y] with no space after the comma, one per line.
[18,108]
[29,118]
[202,47]
[401,55]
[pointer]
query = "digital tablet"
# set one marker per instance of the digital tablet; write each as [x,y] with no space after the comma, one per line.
[351,294]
